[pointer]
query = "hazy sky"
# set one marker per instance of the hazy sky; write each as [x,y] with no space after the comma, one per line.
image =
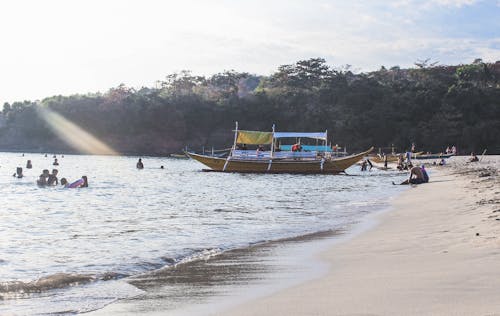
[76,46]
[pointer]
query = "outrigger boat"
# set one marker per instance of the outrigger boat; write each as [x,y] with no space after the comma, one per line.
[276,160]
[434,156]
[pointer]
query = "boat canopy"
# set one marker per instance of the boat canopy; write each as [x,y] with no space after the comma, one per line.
[321,135]
[254,138]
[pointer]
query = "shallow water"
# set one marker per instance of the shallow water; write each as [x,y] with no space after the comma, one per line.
[68,250]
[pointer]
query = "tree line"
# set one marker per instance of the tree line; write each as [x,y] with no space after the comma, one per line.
[431,105]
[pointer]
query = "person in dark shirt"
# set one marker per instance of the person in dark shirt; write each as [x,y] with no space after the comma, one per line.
[139,164]
[52,179]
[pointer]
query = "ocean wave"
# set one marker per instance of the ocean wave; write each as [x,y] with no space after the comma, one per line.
[54,281]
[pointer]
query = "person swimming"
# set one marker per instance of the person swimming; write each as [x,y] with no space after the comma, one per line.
[64,183]
[52,179]
[139,164]
[55,162]
[28,164]
[42,180]
[80,183]
[19,173]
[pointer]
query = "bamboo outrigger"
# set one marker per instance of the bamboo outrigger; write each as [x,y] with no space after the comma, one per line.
[276,161]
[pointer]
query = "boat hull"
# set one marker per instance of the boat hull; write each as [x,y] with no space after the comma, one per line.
[437,156]
[333,166]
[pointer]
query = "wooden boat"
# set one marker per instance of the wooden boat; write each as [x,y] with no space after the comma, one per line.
[433,156]
[274,161]
[380,159]
[178,156]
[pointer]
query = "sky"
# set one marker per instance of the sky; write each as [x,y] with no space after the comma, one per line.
[54,47]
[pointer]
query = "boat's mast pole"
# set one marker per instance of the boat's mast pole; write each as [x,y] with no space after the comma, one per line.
[326,139]
[272,144]
[235,137]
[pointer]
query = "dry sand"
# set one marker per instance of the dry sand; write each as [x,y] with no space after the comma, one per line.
[437,252]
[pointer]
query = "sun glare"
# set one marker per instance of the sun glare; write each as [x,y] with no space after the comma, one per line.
[74,135]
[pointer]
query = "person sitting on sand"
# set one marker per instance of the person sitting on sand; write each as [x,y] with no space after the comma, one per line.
[416,176]
[473,157]
[52,179]
[19,173]
[139,164]
[55,162]
[28,164]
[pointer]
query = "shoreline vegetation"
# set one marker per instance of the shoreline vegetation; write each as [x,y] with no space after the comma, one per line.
[430,105]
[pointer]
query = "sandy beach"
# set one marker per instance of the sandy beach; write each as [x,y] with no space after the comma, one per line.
[437,252]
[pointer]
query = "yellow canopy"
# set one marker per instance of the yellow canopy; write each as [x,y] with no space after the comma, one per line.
[254,138]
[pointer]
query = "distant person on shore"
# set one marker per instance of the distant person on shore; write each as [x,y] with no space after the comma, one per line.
[364,164]
[408,157]
[454,150]
[416,176]
[55,163]
[139,164]
[473,157]
[28,164]
[19,173]
[385,161]
[448,150]
[400,165]
[42,180]
[52,179]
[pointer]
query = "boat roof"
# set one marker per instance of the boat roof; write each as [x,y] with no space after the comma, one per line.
[320,135]
[258,138]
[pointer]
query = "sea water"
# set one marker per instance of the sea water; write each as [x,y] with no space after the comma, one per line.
[72,250]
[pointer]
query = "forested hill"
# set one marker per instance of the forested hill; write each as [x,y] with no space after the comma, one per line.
[432,106]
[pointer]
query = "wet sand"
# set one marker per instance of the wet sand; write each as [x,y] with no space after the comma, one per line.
[436,252]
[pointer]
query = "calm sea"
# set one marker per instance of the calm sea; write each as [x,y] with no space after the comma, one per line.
[72,250]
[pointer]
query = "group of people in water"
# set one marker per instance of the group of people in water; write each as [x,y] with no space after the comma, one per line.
[47,179]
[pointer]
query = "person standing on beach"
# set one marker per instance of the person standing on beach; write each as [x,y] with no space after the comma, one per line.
[408,157]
